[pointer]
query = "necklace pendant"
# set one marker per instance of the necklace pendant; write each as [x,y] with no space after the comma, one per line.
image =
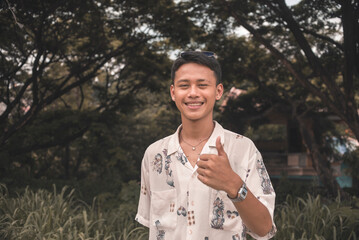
[194,148]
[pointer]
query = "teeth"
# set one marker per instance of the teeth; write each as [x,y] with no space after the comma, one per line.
[194,104]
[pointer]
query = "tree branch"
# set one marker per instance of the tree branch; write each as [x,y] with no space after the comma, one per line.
[294,27]
[19,95]
[55,142]
[325,38]
[297,75]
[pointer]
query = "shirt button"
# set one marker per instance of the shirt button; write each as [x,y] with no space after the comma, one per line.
[190,231]
[192,203]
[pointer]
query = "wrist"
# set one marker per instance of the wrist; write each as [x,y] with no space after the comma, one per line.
[234,186]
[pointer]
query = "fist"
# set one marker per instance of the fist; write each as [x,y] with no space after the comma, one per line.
[215,171]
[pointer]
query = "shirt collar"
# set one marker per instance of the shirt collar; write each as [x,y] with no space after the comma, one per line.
[218,130]
[173,143]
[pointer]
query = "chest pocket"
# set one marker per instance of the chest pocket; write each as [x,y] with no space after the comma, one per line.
[163,209]
[223,214]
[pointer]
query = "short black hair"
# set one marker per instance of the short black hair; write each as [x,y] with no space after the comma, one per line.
[207,59]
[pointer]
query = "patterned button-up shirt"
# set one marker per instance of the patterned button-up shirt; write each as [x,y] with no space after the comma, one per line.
[175,205]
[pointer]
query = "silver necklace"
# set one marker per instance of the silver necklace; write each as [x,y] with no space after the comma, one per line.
[193,147]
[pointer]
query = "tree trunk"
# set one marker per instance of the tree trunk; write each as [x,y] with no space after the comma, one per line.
[354,124]
[320,161]
[66,160]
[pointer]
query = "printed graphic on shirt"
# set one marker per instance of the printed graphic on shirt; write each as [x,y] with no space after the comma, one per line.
[168,169]
[187,199]
[172,207]
[231,214]
[143,190]
[181,157]
[191,220]
[160,233]
[157,163]
[181,211]
[248,171]
[239,136]
[236,237]
[218,214]
[265,180]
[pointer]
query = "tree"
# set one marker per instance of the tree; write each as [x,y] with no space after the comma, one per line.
[336,86]
[312,69]
[67,66]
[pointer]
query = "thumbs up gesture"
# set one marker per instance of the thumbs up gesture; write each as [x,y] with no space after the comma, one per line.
[215,171]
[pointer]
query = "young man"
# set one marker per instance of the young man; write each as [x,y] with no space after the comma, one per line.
[203,182]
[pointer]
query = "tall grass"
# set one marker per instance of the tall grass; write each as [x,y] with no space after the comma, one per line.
[58,215]
[311,218]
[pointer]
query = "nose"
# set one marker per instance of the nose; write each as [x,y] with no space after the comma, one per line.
[193,91]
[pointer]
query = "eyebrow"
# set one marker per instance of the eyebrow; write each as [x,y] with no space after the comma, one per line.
[186,80]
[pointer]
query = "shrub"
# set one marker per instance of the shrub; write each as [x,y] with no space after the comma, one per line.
[311,218]
[57,215]
[53,215]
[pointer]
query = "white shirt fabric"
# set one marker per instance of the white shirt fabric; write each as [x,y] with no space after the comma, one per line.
[175,205]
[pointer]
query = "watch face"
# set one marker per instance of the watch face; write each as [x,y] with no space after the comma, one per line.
[243,192]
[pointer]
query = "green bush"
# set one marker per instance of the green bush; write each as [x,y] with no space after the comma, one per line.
[60,215]
[313,218]
[53,215]
[285,186]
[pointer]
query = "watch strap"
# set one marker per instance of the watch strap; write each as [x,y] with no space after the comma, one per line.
[242,194]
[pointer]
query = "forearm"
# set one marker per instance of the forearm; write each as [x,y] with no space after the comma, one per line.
[253,213]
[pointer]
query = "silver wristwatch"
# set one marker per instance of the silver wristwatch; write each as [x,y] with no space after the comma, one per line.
[242,194]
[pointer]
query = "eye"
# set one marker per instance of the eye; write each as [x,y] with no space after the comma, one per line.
[183,85]
[202,85]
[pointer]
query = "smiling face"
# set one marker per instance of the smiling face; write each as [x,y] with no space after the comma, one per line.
[195,92]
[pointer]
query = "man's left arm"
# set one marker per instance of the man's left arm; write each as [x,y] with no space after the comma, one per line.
[216,172]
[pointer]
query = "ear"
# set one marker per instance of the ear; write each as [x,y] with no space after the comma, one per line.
[219,91]
[172,91]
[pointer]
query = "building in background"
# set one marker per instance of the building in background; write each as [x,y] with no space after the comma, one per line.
[281,145]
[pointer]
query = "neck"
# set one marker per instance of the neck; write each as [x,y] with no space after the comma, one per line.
[197,130]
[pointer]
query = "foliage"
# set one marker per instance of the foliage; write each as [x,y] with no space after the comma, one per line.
[84,86]
[75,80]
[294,187]
[299,62]
[315,218]
[352,159]
[59,215]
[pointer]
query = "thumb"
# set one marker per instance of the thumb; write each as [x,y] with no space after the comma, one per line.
[219,147]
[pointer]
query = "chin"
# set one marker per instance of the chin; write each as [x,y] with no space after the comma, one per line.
[195,118]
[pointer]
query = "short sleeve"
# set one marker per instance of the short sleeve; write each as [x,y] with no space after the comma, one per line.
[259,183]
[143,212]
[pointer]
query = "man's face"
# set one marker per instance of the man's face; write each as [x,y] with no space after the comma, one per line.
[195,92]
